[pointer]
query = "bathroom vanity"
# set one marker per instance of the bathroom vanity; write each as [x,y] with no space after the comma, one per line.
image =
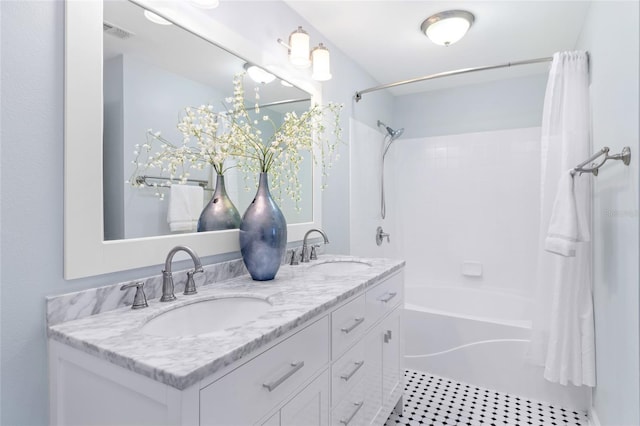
[326,348]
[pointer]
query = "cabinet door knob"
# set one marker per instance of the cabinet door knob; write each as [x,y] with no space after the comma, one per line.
[387,336]
[295,367]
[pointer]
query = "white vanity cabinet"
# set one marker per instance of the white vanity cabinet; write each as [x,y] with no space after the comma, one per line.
[344,367]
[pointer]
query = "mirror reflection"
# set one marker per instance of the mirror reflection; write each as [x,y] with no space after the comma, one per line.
[152,72]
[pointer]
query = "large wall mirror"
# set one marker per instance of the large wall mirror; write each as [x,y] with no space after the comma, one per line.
[126,74]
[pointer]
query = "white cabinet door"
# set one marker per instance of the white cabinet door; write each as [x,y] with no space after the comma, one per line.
[391,356]
[310,407]
[373,377]
[384,358]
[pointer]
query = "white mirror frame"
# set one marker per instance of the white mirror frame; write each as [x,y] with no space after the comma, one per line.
[86,253]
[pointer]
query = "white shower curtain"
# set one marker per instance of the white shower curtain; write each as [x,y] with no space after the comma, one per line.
[563,326]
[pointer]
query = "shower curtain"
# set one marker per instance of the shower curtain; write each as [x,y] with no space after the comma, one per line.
[563,325]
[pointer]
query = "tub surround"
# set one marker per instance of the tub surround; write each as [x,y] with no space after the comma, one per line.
[297,295]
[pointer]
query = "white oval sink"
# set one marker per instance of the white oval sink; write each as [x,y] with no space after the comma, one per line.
[342,267]
[206,316]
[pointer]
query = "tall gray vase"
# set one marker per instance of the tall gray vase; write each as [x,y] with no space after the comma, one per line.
[263,234]
[219,213]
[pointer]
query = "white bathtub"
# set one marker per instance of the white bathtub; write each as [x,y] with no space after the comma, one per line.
[478,337]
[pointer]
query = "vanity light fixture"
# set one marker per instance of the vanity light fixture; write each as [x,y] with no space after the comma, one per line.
[299,48]
[448,27]
[301,56]
[156,19]
[206,4]
[258,74]
[321,63]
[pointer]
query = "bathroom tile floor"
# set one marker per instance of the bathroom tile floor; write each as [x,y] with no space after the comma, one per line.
[437,401]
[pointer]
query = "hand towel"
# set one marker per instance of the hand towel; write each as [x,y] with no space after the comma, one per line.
[185,205]
[568,226]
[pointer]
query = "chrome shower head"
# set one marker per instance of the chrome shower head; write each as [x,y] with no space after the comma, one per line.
[393,134]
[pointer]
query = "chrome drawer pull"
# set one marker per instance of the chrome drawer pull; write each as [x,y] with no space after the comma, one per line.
[296,366]
[359,405]
[349,329]
[390,296]
[346,377]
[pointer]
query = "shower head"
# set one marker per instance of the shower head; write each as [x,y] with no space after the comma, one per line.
[393,134]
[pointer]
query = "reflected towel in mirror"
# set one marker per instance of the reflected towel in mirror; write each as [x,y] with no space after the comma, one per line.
[185,206]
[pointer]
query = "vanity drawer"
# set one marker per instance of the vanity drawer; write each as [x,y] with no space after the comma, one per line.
[347,371]
[351,410]
[381,299]
[247,393]
[348,324]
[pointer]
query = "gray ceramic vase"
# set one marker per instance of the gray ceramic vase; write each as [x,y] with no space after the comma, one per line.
[219,213]
[263,234]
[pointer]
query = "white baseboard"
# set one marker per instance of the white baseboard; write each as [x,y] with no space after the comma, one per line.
[593,418]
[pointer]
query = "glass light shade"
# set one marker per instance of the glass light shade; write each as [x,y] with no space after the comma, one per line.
[447,31]
[259,75]
[206,4]
[321,63]
[299,48]
[156,19]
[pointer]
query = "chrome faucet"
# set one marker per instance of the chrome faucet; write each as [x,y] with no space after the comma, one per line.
[167,277]
[305,249]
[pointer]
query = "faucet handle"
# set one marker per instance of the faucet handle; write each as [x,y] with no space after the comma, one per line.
[140,299]
[314,252]
[190,286]
[294,257]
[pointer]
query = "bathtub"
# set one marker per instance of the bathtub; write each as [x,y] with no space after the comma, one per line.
[479,337]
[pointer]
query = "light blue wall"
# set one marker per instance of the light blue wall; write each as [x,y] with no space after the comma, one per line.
[610,34]
[32,37]
[497,105]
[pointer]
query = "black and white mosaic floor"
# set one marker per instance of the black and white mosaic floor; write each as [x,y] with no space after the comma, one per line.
[437,401]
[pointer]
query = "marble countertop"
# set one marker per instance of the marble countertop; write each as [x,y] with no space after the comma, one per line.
[297,294]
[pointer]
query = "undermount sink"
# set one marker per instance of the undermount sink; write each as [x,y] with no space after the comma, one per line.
[340,267]
[206,317]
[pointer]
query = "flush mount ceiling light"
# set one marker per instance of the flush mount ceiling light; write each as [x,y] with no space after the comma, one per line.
[300,56]
[206,4]
[156,19]
[447,27]
[259,75]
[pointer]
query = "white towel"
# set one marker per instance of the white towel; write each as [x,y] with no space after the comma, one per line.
[568,226]
[185,205]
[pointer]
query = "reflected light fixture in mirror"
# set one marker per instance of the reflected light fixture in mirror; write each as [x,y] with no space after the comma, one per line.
[156,19]
[448,27]
[258,74]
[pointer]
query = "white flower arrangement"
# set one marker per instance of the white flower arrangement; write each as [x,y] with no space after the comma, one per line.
[211,138]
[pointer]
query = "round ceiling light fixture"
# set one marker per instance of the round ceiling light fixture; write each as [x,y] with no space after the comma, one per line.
[447,27]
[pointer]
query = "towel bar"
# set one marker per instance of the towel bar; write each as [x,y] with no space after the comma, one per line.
[625,156]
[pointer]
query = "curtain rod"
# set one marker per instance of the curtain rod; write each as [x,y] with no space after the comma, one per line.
[449,73]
